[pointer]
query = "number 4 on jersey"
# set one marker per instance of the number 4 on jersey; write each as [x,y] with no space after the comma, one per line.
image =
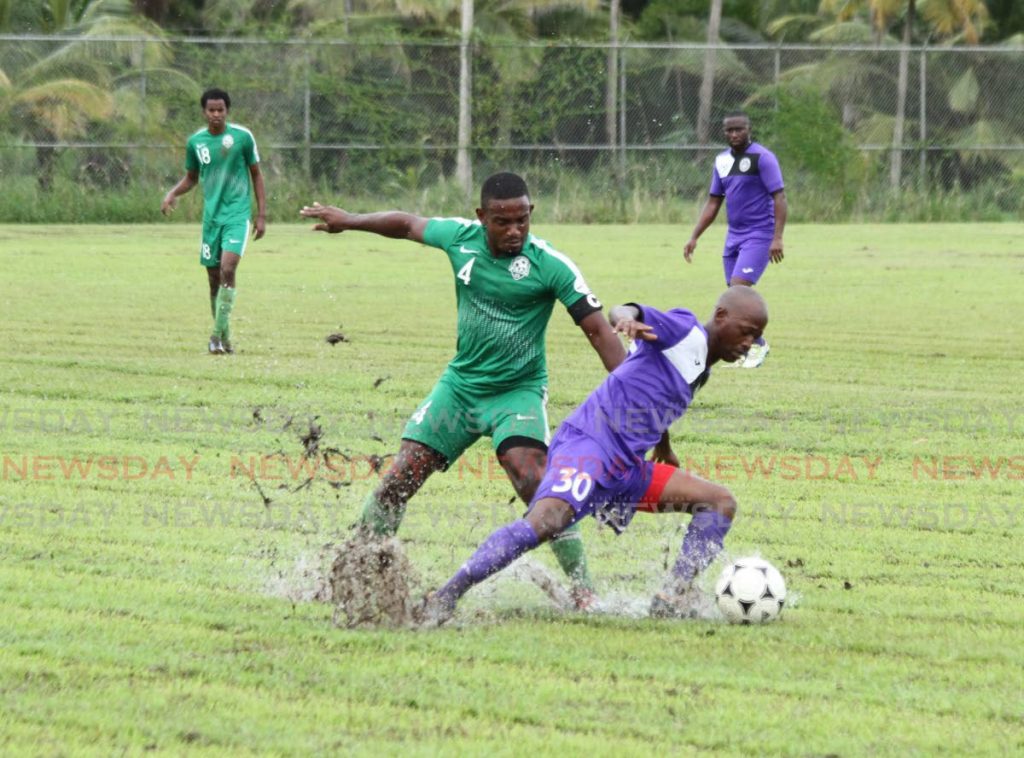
[466,271]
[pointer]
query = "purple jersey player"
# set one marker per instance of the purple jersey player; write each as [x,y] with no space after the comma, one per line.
[596,463]
[747,176]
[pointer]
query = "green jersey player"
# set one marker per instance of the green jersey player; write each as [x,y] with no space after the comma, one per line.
[224,159]
[506,283]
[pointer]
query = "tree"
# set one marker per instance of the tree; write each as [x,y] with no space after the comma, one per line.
[463,165]
[945,20]
[612,85]
[58,96]
[707,83]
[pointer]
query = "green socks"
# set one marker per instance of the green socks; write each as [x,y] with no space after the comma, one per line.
[568,549]
[378,518]
[222,316]
[213,307]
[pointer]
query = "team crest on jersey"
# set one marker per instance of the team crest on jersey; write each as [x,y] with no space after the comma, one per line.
[227,141]
[520,267]
[744,165]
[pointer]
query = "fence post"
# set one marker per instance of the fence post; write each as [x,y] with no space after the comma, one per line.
[613,85]
[142,109]
[307,162]
[622,121]
[777,72]
[464,138]
[142,72]
[923,125]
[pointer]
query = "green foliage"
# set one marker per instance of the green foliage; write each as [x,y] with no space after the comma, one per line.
[813,148]
[382,118]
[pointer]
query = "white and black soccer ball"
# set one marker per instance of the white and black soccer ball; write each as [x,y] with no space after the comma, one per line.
[750,591]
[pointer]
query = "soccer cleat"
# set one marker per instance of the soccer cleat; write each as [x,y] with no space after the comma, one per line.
[689,603]
[226,347]
[215,347]
[434,612]
[667,606]
[755,356]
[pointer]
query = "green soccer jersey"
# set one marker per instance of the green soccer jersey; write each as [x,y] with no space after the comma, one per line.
[504,305]
[223,162]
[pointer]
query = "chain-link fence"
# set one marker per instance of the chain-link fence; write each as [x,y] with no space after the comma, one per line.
[595,128]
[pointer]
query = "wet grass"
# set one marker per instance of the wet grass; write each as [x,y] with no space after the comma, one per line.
[161,509]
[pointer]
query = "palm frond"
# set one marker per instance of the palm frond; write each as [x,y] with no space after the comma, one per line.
[64,107]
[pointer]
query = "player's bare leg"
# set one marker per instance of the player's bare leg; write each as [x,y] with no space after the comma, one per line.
[226,298]
[385,507]
[213,277]
[713,508]
[525,468]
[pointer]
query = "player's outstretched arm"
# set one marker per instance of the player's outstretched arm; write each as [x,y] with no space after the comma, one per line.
[707,216]
[394,224]
[190,180]
[603,340]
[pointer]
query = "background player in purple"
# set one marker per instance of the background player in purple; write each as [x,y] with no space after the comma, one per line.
[596,463]
[748,178]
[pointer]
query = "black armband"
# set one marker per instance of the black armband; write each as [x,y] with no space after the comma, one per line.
[584,307]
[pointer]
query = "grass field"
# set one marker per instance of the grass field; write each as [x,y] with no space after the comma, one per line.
[151,598]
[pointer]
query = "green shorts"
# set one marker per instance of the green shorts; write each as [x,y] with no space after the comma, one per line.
[451,419]
[229,238]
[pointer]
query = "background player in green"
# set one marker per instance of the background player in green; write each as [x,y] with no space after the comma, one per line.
[506,283]
[224,159]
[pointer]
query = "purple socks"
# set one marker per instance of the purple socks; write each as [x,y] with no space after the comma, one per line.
[498,551]
[703,541]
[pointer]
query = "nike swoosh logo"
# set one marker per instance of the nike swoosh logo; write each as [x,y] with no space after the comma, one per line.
[464,249]
[521,417]
[232,242]
[748,270]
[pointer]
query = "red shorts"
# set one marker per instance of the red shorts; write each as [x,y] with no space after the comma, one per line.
[659,478]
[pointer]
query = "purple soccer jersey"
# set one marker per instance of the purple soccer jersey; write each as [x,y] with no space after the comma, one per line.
[596,460]
[747,181]
[651,389]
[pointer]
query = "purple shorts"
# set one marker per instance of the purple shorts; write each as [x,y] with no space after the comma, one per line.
[746,258]
[582,474]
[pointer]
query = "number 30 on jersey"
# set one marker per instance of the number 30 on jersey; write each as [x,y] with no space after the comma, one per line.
[578,483]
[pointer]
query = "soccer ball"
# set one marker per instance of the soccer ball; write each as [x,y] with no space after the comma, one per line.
[750,591]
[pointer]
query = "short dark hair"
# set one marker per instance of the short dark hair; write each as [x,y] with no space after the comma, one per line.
[215,94]
[503,186]
[737,114]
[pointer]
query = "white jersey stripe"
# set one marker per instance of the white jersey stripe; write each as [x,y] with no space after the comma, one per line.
[580,284]
[689,356]
[255,150]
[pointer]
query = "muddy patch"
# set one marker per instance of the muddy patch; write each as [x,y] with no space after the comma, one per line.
[371,582]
